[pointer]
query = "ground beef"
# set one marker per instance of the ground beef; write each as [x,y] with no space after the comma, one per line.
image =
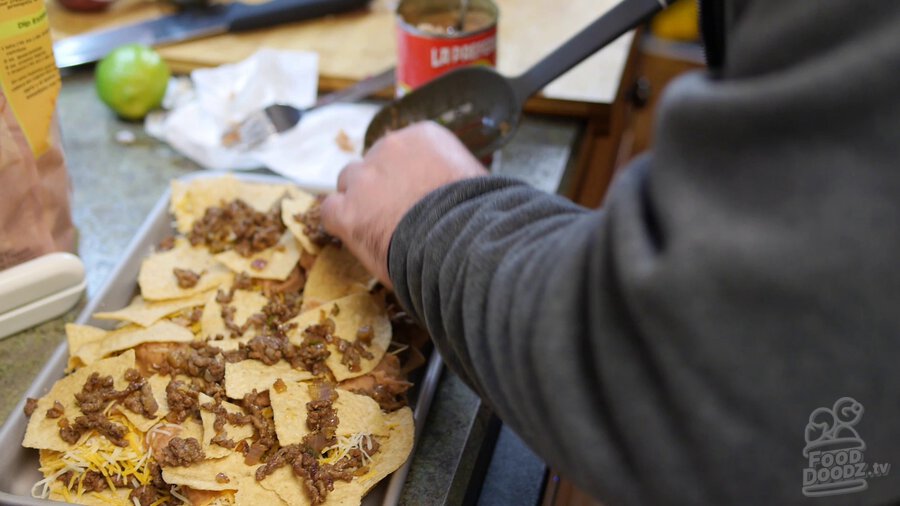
[222,439]
[227,314]
[141,400]
[182,401]
[271,343]
[65,478]
[321,417]
[199,361]
[30,406]
[166,244]
[188,317]
[237,226]
[365,334]
[282,307]
[145,495]
[266,349]
[223,297]
[180,452]
[114,432]
[352,353]
[67,432]
[283,456]
[57,410]
[243,281]
[263,425]
[313,350]
[156,478]
[386,384]
[186,278]
[95,395]
[312,225]
[223,417]
[93,482]
[294,284]
[312,355]
[318,479]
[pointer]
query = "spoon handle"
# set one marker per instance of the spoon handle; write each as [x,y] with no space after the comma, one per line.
[618,20]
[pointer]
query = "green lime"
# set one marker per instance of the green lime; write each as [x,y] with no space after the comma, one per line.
[132,80]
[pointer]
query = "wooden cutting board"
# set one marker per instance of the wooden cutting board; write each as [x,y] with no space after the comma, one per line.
[353,46]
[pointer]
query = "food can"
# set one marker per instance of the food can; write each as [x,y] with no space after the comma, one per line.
[429,42]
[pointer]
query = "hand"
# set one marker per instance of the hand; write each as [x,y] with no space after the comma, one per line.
[374,194]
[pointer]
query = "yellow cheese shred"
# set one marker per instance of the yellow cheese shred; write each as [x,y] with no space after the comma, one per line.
[94,452]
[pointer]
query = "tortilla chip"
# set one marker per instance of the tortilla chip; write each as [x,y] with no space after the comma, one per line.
[300,202]
[208,497]
[191,199]
[354,312]
[356,413]
[234,432]
[246,304]
[43,432]
[78,336]
[101,498]
[146,313]
[243,377]
[392,453]
[251,493]
[202,475]
[283,482]
[158,385]
[261,196]
[278,261]
[126,337]
[394,449]
[335,274]
[158,281]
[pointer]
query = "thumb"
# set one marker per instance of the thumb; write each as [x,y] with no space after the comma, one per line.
[332,210]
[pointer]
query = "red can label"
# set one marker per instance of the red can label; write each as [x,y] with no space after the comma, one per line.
[421,58]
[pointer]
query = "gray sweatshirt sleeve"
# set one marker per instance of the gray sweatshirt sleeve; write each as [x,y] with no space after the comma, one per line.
[671,347]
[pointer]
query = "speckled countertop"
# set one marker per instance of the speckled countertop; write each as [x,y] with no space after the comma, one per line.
[115,186]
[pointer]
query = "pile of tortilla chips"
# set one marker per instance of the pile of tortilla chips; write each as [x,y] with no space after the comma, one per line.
[168,315]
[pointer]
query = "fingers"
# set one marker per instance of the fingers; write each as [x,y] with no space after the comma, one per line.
[332,210]
[349,173]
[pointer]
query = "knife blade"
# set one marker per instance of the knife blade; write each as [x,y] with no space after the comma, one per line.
[193,24]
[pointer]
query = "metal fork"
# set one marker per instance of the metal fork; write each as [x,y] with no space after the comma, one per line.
[277,118]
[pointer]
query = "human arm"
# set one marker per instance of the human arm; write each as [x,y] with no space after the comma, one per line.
[670,348]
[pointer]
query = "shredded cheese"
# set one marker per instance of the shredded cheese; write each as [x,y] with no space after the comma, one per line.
[176,493]
[399,348]
[94,452]
[359,441]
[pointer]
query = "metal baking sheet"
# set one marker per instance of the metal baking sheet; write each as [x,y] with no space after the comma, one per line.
[19,466]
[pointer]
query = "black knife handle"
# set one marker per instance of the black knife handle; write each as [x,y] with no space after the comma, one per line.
[253,16]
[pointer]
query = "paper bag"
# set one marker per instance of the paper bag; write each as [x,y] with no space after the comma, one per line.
[35,217]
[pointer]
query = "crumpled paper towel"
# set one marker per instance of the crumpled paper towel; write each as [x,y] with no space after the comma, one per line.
[221,97]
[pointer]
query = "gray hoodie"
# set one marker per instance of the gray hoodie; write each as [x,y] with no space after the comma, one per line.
[674,346]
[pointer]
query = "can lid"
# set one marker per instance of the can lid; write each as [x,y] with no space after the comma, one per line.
[419,8]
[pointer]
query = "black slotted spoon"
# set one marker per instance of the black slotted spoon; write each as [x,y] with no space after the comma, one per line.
[482,107]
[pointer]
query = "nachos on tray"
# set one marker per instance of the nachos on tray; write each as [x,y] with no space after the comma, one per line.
[259,364]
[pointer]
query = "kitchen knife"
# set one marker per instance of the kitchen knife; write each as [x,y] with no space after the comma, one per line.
[193,24]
